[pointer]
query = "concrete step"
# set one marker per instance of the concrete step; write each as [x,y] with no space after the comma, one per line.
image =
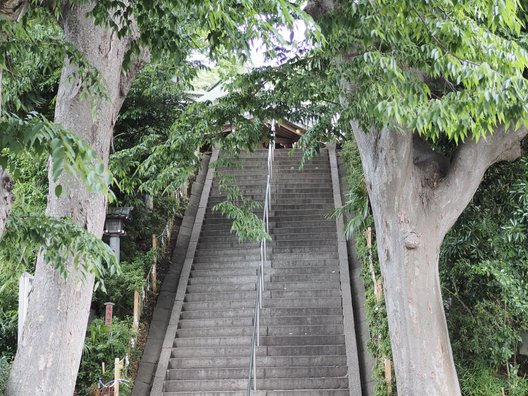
[287,261]
[286,190]
[216,305]
[330,329]
[265,321]
[224,272]
[327,230]
[322,246]
[207,342]
[262,372]
[245,340]
[230,265]
[225,280]
[265,312]
[223,245]
[298,241]
[290,220]
[240,351]
[230,254]
[268,294]
[300,211]
[227,238]
[262,361]
[248,271]
[302,293]
[303,200]
[301,250]
[226,296]
[279,170]
[332,277]
[220,258]
[316,302]
[205,287]
[241,178]
[303,392]
[301,179]
[319,270]
[240,384]
[307,285]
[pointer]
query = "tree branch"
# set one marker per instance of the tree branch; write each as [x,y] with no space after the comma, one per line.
[469,164]
[317,8]
[13,10]
[386,156]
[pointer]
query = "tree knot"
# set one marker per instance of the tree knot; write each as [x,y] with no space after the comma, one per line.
[412,240]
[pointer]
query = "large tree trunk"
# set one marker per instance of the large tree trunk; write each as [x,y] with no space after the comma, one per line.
[416,196]
[6,186]
[6,199]
[49,353]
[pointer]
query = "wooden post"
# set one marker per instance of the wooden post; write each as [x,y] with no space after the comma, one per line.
[149,202]
[388,375]
[153,274]
[118,366]
[137,310]
[378,289]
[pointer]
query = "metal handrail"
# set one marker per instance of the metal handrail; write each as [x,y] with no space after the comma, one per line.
[255,338]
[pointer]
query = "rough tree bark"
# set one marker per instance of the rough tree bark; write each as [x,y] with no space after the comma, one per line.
[13,9]
[415,201]
[6,199]
[49,354]
[6,186]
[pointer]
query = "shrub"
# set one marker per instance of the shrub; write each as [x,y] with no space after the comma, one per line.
[4,375]
[104,344]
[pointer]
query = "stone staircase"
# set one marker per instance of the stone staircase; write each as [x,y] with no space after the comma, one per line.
[302,343]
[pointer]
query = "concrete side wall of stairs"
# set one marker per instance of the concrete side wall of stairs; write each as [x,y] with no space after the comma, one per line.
[160,317]
[303,348]
[365,359]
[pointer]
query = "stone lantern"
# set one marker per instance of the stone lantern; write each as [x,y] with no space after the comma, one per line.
[114,226]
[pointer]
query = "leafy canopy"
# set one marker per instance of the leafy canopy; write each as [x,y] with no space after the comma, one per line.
[438,67]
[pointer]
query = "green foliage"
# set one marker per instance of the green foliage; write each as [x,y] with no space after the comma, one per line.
[4,375]
[478,380]
[120,287]
[223,71]
[68,152]
[356,205]
[30,176]
[484,267]
[57,240]
[33,53]
[8,319]
[247,222]
[222,28]
[395,51]
[103,344]
[440,68]
[151,154]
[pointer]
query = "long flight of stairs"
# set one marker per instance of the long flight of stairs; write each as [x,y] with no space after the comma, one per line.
[302,344]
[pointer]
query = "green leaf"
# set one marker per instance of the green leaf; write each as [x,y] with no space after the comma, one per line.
[58,190]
